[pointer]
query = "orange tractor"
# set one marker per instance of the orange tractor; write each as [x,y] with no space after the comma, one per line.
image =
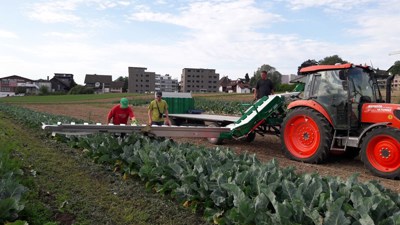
[342,110]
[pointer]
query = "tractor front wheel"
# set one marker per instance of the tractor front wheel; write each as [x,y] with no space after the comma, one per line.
[306,136]
[380,152]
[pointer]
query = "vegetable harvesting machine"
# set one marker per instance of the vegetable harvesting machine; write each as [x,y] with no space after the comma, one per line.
[341,110]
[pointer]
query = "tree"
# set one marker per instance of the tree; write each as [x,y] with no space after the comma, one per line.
[395,69]
[125,80]
[20,90]
[274,75]
[247,78]
[43,90]
[331,60]
[310,62]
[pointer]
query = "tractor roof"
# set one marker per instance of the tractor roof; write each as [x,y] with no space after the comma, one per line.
[316,68]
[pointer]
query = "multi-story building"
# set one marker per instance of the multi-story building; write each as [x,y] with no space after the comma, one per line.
[166,83]
[285,79]
[199,80]
[16,84]
[140,81]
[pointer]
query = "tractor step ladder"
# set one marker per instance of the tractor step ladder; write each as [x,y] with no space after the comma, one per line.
[339,138]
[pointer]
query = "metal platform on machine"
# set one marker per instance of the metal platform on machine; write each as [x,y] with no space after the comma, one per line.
[206,117]
[160,131]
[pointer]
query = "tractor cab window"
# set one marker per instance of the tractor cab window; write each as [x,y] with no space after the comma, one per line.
[362,90]
[361,86]
[326,88]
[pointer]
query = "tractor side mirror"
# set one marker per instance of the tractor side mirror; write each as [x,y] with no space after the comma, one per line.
[345,85]
[342,75]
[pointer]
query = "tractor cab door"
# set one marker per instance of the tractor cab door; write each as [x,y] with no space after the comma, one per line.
[327,89]
[361,90]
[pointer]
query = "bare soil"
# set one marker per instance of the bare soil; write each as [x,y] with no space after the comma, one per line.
[266,148]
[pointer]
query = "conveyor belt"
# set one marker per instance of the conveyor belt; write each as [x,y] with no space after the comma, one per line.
[161,131]
[206,117]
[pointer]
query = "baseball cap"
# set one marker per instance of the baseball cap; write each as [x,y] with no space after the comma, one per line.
[124,103]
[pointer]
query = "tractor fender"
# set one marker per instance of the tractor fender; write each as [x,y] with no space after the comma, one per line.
[311,104]
[370,127]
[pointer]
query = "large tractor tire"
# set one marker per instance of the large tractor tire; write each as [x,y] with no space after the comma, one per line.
[380,152]
[215,141]
[306,136]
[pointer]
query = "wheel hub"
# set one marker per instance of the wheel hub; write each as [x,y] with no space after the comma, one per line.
[306,135]
[385,153]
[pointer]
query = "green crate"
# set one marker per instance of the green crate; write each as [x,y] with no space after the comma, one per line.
[178,103]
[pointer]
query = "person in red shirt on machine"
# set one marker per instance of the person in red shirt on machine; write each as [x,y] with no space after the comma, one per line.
[121,113]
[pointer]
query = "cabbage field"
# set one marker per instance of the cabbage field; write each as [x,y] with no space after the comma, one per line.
[216,183]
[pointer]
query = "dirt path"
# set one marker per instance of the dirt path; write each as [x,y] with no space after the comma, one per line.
[77,191]
[265,148]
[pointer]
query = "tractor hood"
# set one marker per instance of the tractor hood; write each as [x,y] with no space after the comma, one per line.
[381,112]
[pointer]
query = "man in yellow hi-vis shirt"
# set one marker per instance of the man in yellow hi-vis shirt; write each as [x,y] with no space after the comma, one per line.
[158,111]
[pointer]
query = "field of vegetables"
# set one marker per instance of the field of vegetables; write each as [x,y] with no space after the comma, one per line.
[224,186]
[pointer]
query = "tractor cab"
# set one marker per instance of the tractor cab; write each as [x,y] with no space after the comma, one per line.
[341,90]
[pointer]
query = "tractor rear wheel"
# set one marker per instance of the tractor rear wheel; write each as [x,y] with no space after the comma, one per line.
[217,140]
[380,152]
[306,136]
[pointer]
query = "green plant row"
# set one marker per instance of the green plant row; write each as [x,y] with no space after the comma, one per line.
[220,107]
[11,190]
[239,189]
[35,119]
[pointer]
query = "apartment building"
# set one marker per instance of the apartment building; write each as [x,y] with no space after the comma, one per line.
[14,84]
[140,81]
[285,79]
[199,80]
[166,83]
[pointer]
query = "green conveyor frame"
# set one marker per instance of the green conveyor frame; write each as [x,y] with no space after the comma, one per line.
[255,115]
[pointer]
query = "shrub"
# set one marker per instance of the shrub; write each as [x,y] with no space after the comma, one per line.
[79,89]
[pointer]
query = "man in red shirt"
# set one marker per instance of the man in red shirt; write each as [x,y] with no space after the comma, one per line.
[121,113]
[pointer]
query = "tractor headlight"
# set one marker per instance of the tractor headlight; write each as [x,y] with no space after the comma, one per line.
[397,114]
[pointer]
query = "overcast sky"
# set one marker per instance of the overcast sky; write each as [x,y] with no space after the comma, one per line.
[41,37]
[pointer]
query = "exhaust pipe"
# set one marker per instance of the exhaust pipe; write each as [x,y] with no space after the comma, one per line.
[389,81]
